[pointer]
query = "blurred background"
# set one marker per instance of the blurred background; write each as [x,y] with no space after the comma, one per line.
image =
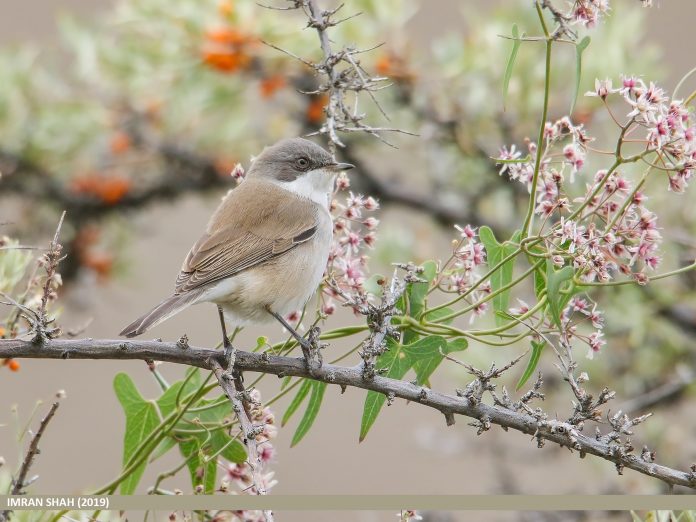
[131,114]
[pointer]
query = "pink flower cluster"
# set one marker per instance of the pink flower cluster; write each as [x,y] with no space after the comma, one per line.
[240,474]
[564,155]
[588,12]
[468,255]
[577,312]
[669,130]
[354,231]
[629,237]
[612,230]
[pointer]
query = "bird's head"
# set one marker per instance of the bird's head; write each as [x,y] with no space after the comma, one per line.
[296,160]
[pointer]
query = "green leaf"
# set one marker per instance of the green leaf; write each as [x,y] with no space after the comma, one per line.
[511,61]
[416,294]
[423,356]
[296,401]
[142,417]
[209,442]
[261,343]
[201,473]
[418,291]
[428,354]
[579,49]
[318,389]
[537,348]
[539,282]
[436,316]
[163,448]
[554,281]
[167,401]
[234,451]
[495,253]
[396,365]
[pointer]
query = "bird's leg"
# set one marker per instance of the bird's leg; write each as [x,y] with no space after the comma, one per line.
[227,345]
[307,345]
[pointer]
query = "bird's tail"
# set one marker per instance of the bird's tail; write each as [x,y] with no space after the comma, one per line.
[163,311]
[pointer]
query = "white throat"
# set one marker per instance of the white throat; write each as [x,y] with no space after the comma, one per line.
[316,185]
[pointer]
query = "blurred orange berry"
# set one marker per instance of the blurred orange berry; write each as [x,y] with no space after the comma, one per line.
[394,66]
[120,142]
[109,189]
[271,84]
[384,65]
[226,61]
[226,8]
[228,36]
[315,109]
[113,189]
[226,49]
[101,263]
[2,331]
[13,365]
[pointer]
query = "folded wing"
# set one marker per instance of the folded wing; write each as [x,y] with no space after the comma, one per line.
[240,236]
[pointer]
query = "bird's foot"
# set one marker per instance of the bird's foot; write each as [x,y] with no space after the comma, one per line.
[229,353]
[311,349]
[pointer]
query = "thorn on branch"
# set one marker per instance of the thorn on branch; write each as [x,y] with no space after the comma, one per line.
[183,342]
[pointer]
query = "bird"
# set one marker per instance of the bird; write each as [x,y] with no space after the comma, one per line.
[265,248]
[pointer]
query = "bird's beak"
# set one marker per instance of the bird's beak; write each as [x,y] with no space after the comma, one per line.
[341,166]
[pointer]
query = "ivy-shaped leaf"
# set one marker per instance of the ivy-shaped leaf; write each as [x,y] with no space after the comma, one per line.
[537,348]
[201,473]
[234,450]
[142,418]
[317,394]
[579,49]
[511,61]
[423,356]
[495,253]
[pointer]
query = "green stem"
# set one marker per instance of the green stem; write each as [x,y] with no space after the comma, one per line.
[542,126]
[490,296]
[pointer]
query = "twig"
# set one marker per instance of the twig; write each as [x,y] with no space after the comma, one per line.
[238,396]
[557,432]
[20,482]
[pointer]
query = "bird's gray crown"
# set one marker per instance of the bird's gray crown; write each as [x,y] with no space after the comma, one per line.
[289,159]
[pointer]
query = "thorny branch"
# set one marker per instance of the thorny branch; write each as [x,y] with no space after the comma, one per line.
[343,74]
[379,316]
[239,397]
[519,416]
[21,481]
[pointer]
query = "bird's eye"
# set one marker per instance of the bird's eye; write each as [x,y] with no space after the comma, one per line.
[302,163]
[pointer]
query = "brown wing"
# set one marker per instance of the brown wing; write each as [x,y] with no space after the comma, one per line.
[255,222]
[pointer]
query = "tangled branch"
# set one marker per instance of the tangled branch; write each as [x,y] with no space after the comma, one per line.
[339,81]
